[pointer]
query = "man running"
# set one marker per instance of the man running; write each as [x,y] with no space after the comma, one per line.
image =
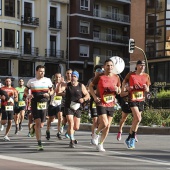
[76,94]
[62,120]
[54,108]
[108,85]
[93,110]
[139,83]
[19,110]
[8,106]
[41,89]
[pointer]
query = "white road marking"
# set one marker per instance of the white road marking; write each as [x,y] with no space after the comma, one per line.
[47,164]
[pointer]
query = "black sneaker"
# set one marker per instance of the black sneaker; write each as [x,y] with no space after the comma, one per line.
[71,145]
[20,127]
[75,141]
[16,131]
[47,135]
[59,136]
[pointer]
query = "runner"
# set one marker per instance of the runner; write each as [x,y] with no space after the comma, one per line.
[62,121]
[76,94]
[54,108]
[93,110]
[19,110]
[41,89]
[108,85]
[139,83]
[8,107]
[2,126]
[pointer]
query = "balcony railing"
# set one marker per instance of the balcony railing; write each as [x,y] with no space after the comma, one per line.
[29,20]
[33,51]
[55,24]
[111,16]
[97,36]
[58,54]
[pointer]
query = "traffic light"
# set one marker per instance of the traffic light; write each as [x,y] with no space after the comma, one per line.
[131,45]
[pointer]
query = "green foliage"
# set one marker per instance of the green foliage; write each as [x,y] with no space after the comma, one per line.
[163,94]
[150,117]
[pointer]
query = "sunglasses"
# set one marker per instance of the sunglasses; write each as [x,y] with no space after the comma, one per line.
[98,70]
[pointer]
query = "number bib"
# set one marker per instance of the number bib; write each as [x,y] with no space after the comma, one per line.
[41,105]
[9,108]
[137,95]
[108,98]
[93,105]
[21,103]
[58,98]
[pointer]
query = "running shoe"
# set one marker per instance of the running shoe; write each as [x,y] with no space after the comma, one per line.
[127,142]
[32,131]
[47,134]
[71,145]
[75,141]
[29,135]
[16,131]
[6,138]
[95,139]
[132,143]
[136,139]
[40,148]
[2,127]
[119,136]
[66,135]
[100,148]
[59,136]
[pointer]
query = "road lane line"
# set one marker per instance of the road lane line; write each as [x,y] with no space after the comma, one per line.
[47,164]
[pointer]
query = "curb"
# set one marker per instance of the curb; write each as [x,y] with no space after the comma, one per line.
[141,130]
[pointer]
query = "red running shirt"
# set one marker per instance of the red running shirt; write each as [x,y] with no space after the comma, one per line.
[136,83]
[106,88]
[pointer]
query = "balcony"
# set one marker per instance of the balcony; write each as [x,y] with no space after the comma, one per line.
[111,16]
[57,25]
[33,51]
[104,37]
[57,54]
[152,32]
[30,21]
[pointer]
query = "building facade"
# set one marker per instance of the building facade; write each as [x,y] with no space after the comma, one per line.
[32,33]
[98,30]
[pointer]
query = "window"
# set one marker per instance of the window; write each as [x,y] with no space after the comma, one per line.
[10,8]
[5,68]
[18,9]
[9,39]
[0,37]
[84,27]
[51,69]
[84,4]
[17,39]
[84,51]
[26,69]
[0,7]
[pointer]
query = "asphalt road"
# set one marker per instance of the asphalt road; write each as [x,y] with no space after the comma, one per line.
[152,153]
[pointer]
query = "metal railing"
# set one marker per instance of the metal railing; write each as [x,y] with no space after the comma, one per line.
[29,20]
[55,24]
[33,51]
[111,16]
[97,36]
[59,54]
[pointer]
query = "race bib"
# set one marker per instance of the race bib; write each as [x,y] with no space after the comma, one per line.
[58,98]
[21,103]
[41,106]
[9,108]
[137,95]
[93,105]
[108,98]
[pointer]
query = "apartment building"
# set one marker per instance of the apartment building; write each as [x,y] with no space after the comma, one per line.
[32,33]
[98,30]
